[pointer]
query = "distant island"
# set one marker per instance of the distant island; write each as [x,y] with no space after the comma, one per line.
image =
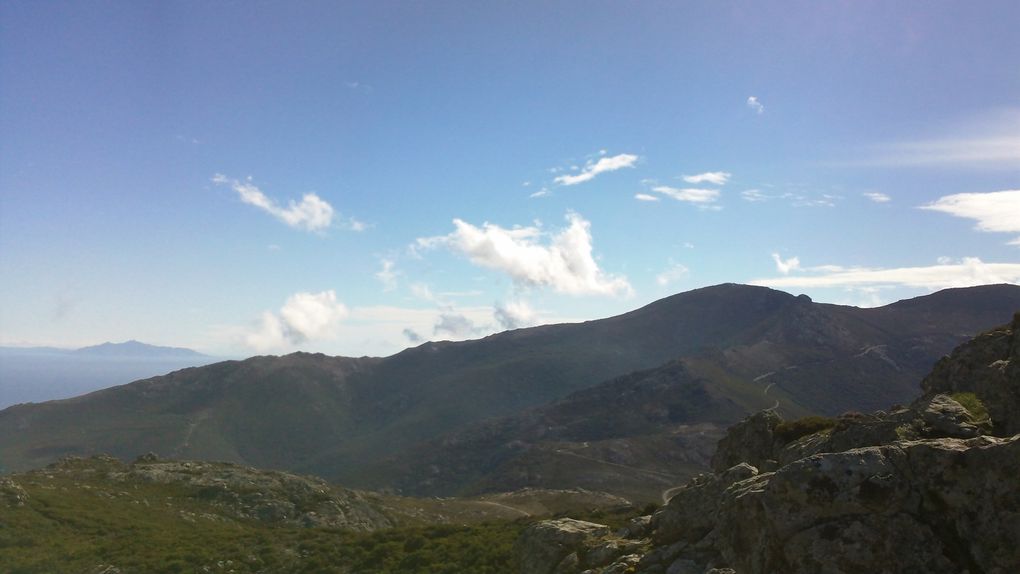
[38,374]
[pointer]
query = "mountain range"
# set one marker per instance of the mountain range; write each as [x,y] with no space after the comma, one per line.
[542,406]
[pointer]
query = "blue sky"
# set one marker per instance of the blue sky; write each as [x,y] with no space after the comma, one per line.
[354,178]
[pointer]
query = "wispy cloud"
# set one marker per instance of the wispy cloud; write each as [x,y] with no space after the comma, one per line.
[645,197]
[995,212]
[675,272]
[713,177]
[754,104]
[565,263]
[967,272]
[754,195]
[388,275]
[312,213]
[784,266]
[701,197]
[990,140]
[591,169]
[877,197]
[304,317]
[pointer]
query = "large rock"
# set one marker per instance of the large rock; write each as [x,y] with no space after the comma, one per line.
[751,441]
[547,547]
[940,506]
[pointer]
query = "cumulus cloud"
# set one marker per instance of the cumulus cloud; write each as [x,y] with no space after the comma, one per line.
[565,263]
[388,275]
[877,197]
[754,104]
[967,272]
[701,197]
[645,197]
[591,169]
[303,317]
[312,213]
[713,177]
[672,274]
[787,265]
[996,212]
[514,314]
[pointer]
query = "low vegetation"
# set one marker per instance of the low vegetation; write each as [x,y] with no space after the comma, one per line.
[789,431]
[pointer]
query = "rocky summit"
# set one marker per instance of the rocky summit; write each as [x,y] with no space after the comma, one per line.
[929,487]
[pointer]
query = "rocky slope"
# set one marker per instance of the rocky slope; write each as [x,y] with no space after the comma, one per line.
[924,488]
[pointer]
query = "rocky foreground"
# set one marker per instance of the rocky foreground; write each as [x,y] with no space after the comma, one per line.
[933,487]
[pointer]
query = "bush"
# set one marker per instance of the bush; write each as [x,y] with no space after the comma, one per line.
[789,431]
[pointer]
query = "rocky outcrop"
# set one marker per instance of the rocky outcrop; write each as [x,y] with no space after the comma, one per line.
[12,495]
[241,492]
[989,367]
[925,488]
[554,545]
[910,506]
[269,496]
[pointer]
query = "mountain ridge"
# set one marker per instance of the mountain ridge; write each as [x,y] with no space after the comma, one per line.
[336,416]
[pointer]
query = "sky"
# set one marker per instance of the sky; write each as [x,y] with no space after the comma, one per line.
[355,178]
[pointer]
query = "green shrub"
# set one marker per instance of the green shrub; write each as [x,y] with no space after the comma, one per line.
[789,431]
[974,406]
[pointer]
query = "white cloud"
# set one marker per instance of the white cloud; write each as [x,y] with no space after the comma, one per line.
[968,272]
[690,195]
[672,274]
[785,266]
[754,104]
[514,314]
[877,197]
[996,212]
[312,213]
[540,193]
[566,264]
[388,275]
[713,177]
[603,165]
[645,197]
[304,317]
